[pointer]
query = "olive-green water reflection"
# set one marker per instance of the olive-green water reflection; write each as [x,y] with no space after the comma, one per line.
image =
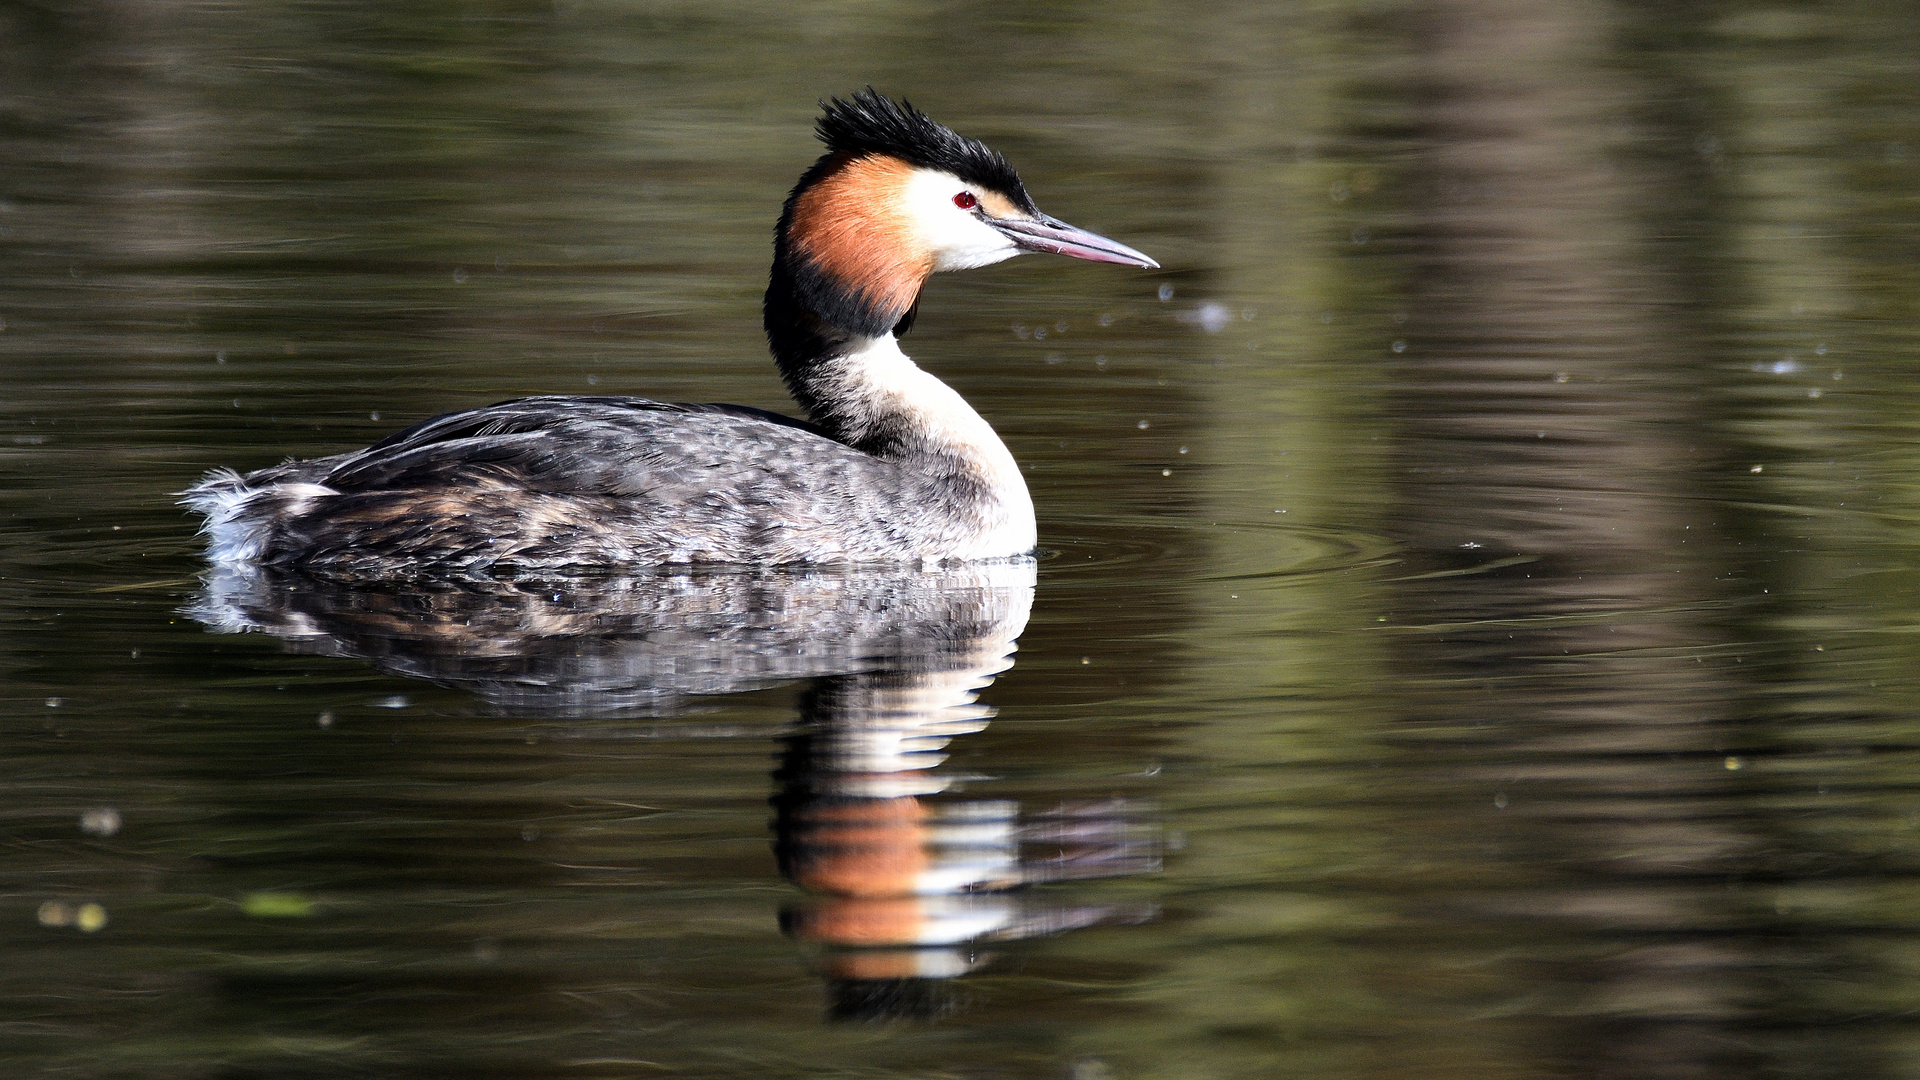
[1487,548]
[909,887]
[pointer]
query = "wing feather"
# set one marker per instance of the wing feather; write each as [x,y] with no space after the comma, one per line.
[622,447]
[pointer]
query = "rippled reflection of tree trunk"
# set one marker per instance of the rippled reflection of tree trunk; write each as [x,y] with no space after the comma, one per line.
[1540,423]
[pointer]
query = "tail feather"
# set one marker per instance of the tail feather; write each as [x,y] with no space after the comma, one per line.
[240,516]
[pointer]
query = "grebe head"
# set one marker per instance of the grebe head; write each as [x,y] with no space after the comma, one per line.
[898,197]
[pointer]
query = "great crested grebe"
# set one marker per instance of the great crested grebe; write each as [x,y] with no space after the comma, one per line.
[891,464]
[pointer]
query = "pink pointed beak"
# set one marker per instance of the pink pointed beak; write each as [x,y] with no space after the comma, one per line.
[1056,236]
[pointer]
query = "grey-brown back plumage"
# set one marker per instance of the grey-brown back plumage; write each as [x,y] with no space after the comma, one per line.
[551,482]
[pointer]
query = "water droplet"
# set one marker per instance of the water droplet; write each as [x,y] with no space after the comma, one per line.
[101,821]
[1209,316]
[460,275]
[1166,292]
[1090,1069]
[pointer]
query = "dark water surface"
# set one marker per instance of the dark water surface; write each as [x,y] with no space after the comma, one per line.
[1476,639]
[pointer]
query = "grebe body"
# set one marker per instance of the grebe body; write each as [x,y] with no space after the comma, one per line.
[891,464]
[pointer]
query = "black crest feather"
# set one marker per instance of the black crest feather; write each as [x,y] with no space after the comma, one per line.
[872,124]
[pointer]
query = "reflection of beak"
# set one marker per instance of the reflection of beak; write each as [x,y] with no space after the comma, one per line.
[1053,235]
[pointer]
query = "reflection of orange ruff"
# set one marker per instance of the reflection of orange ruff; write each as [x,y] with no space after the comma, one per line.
[889,964]
[872,848]
[896,921]
[877,922]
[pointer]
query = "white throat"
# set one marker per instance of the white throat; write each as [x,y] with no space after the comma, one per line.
[885,382]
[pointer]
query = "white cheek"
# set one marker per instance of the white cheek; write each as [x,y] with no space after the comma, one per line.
[958,238]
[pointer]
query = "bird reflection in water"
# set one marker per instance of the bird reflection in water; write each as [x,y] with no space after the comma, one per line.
[907,880]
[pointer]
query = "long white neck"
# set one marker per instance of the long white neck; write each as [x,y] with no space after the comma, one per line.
[882,402]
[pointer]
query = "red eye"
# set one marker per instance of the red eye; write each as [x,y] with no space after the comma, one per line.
[965,200]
